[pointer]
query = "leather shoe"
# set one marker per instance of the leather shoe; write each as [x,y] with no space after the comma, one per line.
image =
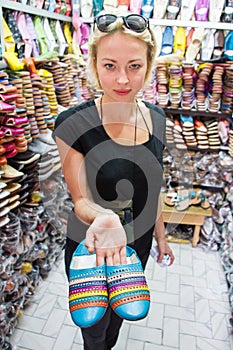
[129,295]
[88,296]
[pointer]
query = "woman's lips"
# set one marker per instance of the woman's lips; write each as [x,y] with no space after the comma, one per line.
[122,92]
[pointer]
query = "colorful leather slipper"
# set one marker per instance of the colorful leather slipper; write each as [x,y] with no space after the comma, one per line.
[228,46]
[88,296]
[160,7]
[215,10]
[159,37]
[195,45]
[218,44]
[187,9]
[180,41]
[202,10]
[173,9]
[167,41]
[207,46]
[129,295]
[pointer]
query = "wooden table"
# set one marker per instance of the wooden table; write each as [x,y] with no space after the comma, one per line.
[194,215]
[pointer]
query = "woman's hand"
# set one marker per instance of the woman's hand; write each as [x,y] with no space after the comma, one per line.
[107,237]
[164,249]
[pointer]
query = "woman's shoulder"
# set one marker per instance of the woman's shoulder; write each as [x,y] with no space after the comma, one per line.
[155,108]
[70,112]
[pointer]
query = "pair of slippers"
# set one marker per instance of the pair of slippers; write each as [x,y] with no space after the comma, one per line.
[93,288]
[185,198]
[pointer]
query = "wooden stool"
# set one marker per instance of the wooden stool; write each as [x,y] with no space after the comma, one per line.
[194,215]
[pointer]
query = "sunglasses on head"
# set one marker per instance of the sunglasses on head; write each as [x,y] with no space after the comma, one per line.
[134,22]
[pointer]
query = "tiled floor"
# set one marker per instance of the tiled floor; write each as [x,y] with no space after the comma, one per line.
[189,309]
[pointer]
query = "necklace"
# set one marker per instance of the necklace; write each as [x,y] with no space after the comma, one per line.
[136,117]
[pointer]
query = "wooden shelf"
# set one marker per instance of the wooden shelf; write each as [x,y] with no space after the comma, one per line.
[196,113]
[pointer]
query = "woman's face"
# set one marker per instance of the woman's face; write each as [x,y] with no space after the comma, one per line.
[121,66]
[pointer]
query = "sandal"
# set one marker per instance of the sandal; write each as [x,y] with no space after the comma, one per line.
[171,199]
[183,200]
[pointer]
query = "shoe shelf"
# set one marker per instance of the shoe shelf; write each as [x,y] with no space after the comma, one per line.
[194,24]
[16,6]
[179,23]
[196,113]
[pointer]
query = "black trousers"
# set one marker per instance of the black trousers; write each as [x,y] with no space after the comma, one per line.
[104,334]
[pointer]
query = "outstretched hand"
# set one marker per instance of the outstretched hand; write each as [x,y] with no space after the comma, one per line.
[106,236]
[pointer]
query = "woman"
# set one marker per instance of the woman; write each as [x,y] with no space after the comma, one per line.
[111,152]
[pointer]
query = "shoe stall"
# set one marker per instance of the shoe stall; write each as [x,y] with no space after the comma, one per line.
[42,72]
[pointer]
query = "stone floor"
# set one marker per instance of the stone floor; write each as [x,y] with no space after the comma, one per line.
[189,309]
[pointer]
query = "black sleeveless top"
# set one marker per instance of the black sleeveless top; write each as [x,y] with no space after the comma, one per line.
[116,173]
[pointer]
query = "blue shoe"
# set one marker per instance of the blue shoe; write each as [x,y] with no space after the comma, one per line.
[228,46]
[88,296]
[129,295]
[187,121]
[167,42]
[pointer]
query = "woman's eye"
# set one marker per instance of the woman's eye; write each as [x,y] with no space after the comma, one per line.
[109,66]
[135,66]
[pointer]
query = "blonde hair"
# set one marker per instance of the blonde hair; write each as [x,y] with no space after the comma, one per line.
[146,36]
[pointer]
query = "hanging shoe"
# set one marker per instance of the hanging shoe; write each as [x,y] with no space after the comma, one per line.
[179,41]
[207,46]
[195,45]
[228,12]
[218,44]
[167,41]
[215,10]
[160,8]
[158,33]
[189,37]
[187,9]
[9,42]
[173,9]
[228,46]
[147,8]
[202,10]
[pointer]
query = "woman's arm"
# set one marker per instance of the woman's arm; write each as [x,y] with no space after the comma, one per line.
[105,234]
[161,237]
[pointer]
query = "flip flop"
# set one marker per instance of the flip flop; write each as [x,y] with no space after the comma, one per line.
[170,198]
[183,200]
[205,204]
[194,197]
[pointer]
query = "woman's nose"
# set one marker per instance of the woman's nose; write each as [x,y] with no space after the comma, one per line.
[122,77]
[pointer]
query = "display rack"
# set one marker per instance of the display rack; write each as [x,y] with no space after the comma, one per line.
[179,23]
[16,6]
